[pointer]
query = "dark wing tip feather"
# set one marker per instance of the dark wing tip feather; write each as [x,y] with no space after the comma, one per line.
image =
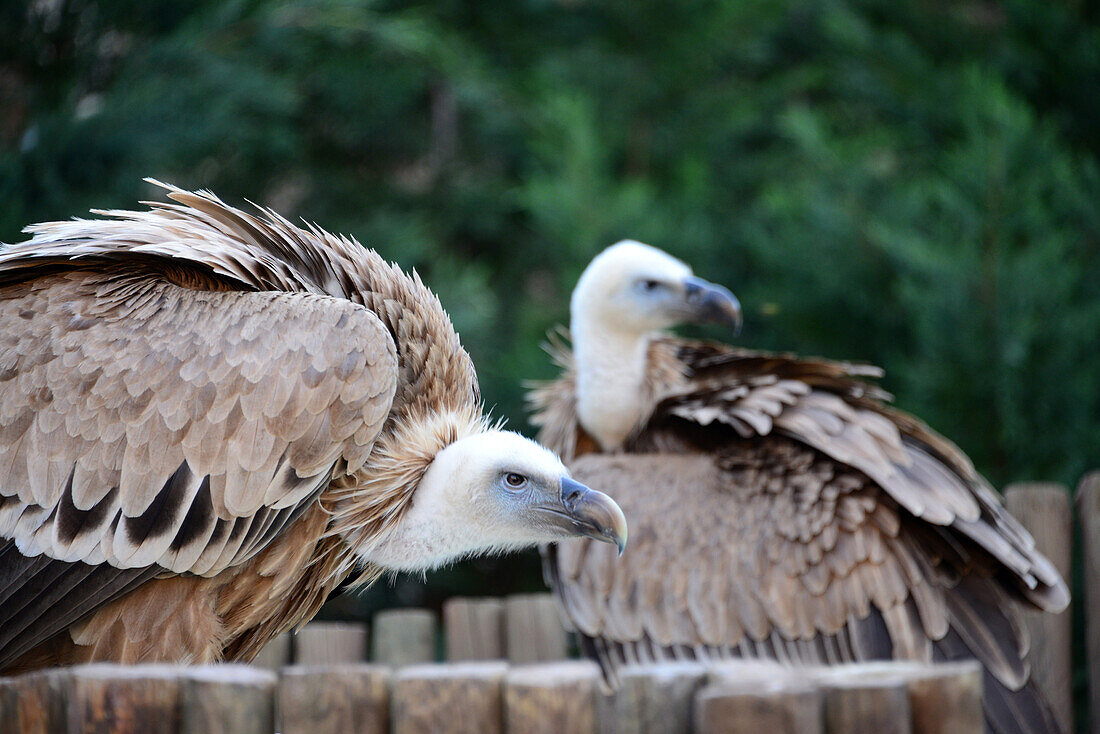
[43,597]
[1023,710]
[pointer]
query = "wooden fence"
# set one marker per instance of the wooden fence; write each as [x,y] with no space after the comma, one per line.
[330,682]
[523,628]
[495,698]
[527,628]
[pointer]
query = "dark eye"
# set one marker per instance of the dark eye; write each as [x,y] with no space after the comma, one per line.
[651,285]
[515,481]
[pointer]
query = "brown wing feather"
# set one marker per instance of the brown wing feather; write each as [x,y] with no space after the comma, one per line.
[833,411]
[147,425]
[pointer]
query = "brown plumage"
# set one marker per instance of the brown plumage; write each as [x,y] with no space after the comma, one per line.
[209,419]
[779,507]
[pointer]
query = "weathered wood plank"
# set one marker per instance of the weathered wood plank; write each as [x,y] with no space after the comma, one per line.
[552,697]
[533,629]
[946,698]
[1088,512]
[123,699]
[34,703]
[943,698]
[449,698]
[474,629]
[330,643]
[403,637]
[783,703]
[864,698]
[653,699]
[227,699]
[736,670]
[9,704]
[1043,508]
[334,699]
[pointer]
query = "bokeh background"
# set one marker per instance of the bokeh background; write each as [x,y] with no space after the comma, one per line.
[914,184]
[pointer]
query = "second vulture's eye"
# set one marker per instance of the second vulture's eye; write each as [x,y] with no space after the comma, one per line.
[514,480]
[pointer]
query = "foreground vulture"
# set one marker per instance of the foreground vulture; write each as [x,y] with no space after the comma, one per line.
[209,420]
[778,507]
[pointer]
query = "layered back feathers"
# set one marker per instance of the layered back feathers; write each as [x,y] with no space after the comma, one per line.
[201,234]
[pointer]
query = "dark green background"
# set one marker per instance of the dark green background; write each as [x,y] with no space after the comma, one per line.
[909,183]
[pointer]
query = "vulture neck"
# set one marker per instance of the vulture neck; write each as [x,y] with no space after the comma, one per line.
[437,402]
[611,378]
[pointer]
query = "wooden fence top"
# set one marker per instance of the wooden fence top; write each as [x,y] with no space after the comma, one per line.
[474,669]
[497,697]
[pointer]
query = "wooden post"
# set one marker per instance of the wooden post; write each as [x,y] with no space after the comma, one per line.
[227,699]
[1043,508]
[34,703]
[404,637]
[946,698]
[654,699]
[449,698]
[275,654]
[552,698]
[334,700]
[942,698]
[123,699]
[784,704]
[9,704]
[1088,510]
[330,643]
[533,629]
[737,670]
[474,629]
[864,698]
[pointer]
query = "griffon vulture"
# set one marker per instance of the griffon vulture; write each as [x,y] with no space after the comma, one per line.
[779,508]
[210,419]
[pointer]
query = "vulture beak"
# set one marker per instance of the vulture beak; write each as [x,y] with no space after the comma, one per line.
[593,514]
[709,303]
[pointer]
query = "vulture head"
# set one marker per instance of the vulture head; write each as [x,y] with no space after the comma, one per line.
[628,292]
[638,289]
[492,492]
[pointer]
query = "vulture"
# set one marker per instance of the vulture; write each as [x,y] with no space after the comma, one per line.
[211,419]
[779,507]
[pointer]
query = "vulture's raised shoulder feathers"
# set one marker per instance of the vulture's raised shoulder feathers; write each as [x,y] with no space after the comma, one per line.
[778,507]
[209,419]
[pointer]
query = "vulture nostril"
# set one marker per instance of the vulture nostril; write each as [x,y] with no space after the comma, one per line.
[571,493]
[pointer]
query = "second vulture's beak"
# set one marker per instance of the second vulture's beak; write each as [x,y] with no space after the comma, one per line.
[593,514]
[709,303]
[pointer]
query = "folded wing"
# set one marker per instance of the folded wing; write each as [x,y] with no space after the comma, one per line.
[150,428]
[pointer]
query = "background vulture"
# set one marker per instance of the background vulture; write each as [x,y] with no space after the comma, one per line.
[209,420]
[778,507]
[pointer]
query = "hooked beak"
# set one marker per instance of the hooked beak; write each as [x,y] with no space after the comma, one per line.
[593,514]
[710,303]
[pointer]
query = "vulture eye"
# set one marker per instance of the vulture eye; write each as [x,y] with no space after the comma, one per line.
[515,481]
[650,285]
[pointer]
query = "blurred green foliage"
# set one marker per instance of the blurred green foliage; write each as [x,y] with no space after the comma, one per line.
[910,183]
